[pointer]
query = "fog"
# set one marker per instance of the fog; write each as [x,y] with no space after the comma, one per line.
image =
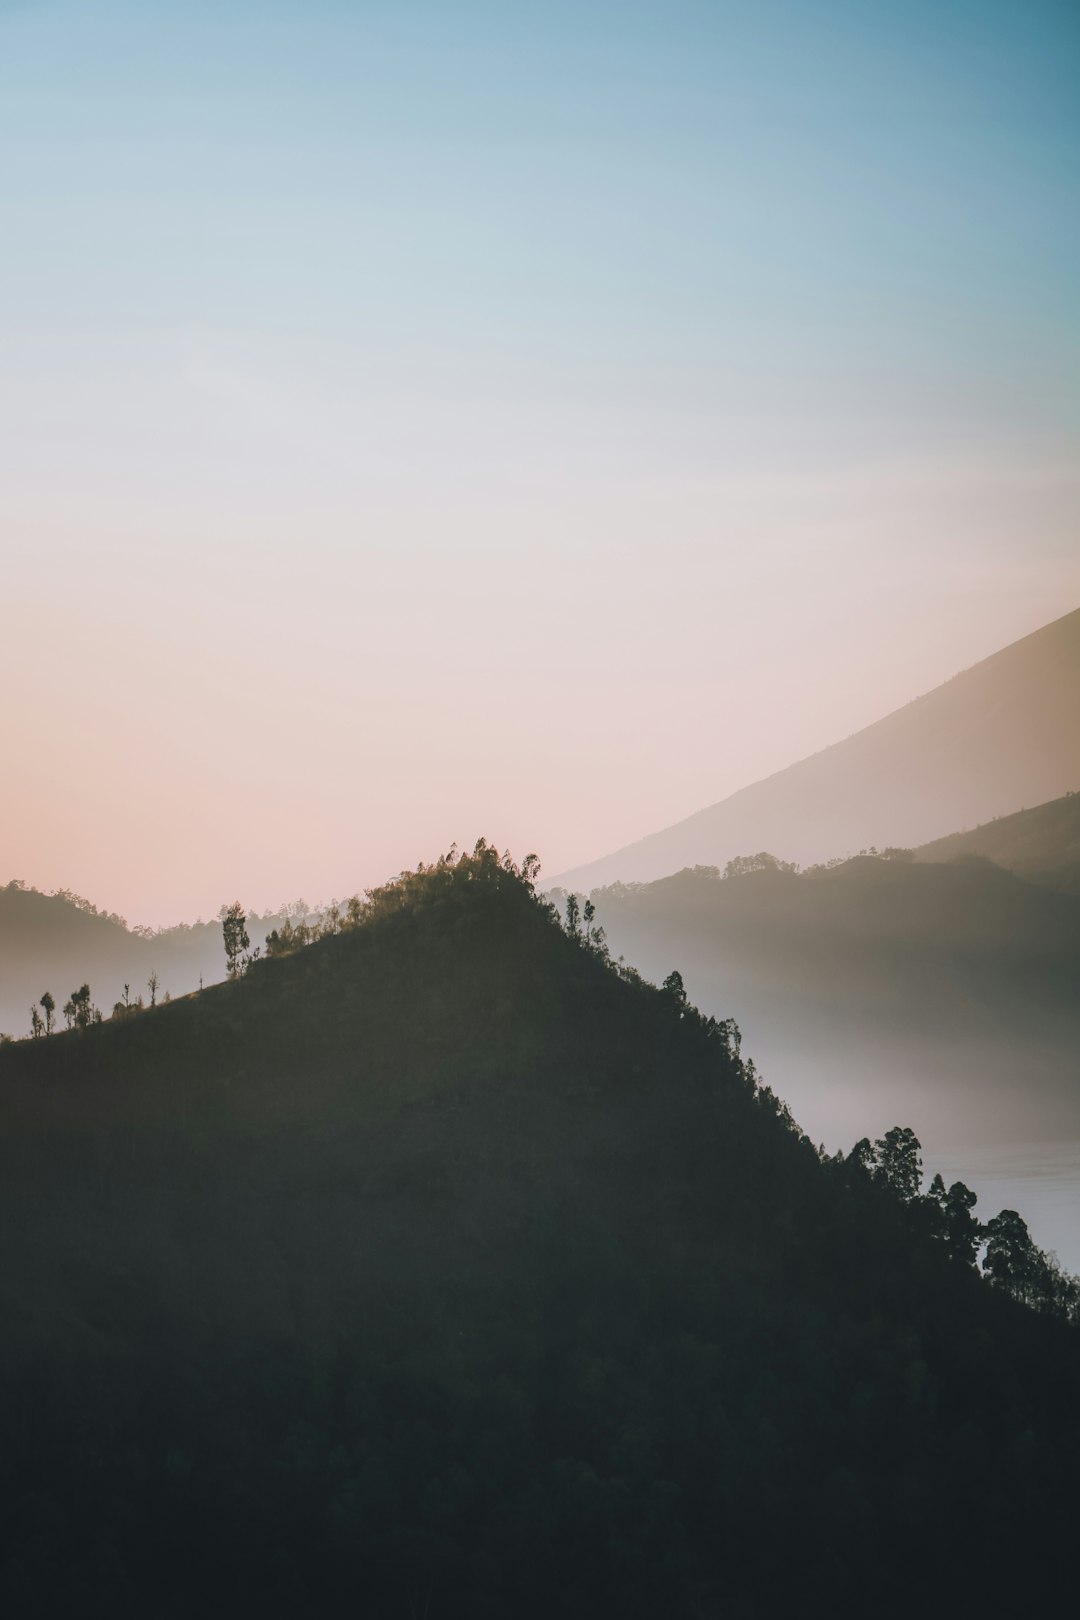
[884,993]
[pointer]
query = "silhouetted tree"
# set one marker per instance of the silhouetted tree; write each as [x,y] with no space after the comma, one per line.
[674,988]
[899,1162]
[594,933]
[152,986]
[761,862]
[934,1208]
[963,1232]
[863,1156]
[37,1025]
[48,1006]
[1012,1260]
[235,934]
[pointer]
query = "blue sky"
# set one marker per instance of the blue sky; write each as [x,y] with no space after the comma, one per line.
[699,379]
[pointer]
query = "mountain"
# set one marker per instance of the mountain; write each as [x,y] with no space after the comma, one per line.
[1003,733]
[442,1268]
[58,942]
[945,993]
[1041,845]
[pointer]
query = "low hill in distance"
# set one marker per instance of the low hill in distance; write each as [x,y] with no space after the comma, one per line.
[1003,733]
[945,994]
[441,1267]
[58,942]
[1041,845]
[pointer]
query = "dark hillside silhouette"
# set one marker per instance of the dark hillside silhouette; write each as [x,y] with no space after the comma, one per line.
[440,1267]
[1002,734]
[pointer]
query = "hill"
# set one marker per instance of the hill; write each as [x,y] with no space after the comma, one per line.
[441,1268]
[1004,732]
[941,993]
[57,942]
[1041,845]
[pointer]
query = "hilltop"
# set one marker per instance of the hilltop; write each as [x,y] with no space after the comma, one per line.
[1003,733]
[441,1266]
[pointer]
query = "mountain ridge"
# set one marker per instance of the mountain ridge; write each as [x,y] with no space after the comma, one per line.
[1040,844]
[1002,730]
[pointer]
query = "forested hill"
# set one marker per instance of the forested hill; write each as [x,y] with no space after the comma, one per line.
[1041,844]
[1001,734]
[438,1267]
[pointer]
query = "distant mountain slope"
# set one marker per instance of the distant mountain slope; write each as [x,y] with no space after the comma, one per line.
[55,942]
[1005,732]
[439,1269]
[1041,845]
[947,990]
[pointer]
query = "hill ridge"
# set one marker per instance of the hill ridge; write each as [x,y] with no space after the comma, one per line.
[445,1255]
[1014,734]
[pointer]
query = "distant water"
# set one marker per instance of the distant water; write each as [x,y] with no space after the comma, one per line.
[1039,1179]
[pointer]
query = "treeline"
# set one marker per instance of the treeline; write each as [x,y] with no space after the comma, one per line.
[1011,1260]
[80,1011]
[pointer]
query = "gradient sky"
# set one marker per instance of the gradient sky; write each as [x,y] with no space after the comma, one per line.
[419,420]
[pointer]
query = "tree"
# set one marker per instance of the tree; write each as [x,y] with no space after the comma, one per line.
[863,1157]
[37,1025]
[83,1012]
[934,1208]
[963,1232]
[674,988]
[48,1005]
[594,933]
[761,862]
[235,934]
[152,986]
[530,869]
[1011,1260]
[950,1221]
[899,1162]
[573,914]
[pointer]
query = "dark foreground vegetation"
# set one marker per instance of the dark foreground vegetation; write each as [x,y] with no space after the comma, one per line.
[438,1268]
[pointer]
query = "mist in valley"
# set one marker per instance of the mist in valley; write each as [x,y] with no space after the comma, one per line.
[941,996]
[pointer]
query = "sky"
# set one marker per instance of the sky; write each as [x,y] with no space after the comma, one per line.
[426,420]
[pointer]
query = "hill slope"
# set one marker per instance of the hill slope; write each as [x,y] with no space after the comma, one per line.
[57,942]
[943,993]
[1003,733]
[437,1268]
[1041,845]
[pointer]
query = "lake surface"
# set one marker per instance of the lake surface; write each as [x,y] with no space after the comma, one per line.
[1039,1179]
